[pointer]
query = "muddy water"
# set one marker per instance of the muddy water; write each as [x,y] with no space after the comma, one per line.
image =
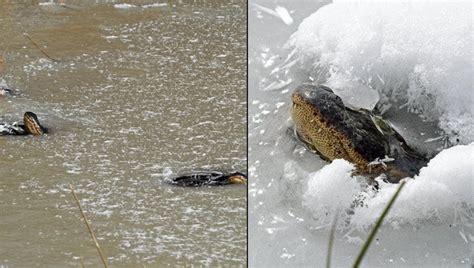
[136,94]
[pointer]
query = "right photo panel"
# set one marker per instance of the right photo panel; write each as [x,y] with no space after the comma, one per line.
[361,141]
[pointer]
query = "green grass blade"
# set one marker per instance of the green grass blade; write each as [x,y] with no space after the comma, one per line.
[378,223]
[331,240]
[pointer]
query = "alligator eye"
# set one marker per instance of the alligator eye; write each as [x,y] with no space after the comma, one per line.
[326,89]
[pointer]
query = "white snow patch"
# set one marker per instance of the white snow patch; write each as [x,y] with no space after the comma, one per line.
[417,55]
[440,194]
[330,190]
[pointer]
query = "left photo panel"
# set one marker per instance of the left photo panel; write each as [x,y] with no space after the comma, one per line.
[123,133]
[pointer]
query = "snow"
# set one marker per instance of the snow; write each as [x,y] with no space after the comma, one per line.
[331,190]
[442,193]
[416,55]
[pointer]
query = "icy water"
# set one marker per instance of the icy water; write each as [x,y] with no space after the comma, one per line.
[136,94]
[283,231]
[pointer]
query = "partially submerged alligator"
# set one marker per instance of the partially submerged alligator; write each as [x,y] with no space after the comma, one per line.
[208,178]
[334,131]
[31,125]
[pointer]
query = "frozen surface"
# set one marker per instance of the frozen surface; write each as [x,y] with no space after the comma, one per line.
[440,194]
[416,61]
[417,56]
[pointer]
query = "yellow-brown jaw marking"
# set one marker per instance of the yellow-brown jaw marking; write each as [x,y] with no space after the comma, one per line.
[237,179]
[316,132]
[32,125]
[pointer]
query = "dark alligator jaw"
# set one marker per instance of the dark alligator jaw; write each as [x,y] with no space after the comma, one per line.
[32,125]
[208,178]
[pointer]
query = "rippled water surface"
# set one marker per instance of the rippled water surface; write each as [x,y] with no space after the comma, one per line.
[136,94]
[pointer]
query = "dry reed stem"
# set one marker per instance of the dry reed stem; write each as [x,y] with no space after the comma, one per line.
[41,49]
[89,227]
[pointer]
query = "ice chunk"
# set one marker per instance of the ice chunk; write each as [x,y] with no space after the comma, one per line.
[279,12]
[124,6]
[353,93]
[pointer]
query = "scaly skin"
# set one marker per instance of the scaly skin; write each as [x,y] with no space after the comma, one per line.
[334,131]
[208,178]
[31,126]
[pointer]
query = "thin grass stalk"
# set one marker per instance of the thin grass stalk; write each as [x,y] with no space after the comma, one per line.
[40,48]
[331,240]
[89,227]
[377,225]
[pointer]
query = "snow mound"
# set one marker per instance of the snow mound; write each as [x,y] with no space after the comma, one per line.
[440,194]
[417,56]
[331,190]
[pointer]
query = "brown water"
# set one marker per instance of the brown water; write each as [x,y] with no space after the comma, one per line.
[137,94]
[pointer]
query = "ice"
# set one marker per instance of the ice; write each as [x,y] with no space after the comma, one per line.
[279,12]
[155,5]
[440,194]
[124,6]
[47,4]
[416,55]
